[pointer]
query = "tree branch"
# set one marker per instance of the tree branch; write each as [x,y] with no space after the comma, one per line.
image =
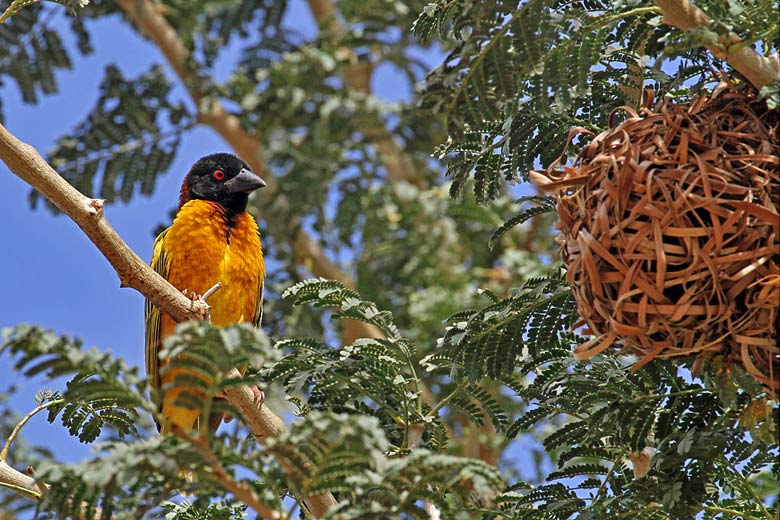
[308,252]
[759,70]
[263,424]
[357,78]
[24,161]
[28,487]
[240,490]
[11,478]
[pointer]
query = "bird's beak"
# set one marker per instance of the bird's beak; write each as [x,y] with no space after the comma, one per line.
[245,182]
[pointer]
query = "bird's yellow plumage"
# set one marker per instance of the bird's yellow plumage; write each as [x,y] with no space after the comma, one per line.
[207,243]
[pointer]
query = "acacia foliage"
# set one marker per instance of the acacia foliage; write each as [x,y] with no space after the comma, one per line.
[360,404]
[462,376]
[519,75]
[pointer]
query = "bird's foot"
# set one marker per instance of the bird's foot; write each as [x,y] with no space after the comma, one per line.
[259,396]
[258,399]
[192,296]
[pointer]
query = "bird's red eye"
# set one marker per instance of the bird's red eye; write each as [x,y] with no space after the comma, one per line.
[219,175]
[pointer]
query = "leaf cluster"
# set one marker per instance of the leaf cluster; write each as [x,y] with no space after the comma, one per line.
[31,53]
[121,147]
[101,391]
[347,454]
[521,75]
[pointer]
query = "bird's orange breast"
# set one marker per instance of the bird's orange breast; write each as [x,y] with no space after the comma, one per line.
[203,247]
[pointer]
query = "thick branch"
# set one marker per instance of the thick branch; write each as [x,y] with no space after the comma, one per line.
[357,77]
[26,486]
[26,162]
[308,252]
[759,70]
[18,481]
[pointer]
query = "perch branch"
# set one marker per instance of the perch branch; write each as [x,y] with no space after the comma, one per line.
[307,250]
[264,424]
[28,487]
[15,480]
[759,70]
[24,161]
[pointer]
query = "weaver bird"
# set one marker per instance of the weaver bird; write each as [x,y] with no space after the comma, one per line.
[212,239]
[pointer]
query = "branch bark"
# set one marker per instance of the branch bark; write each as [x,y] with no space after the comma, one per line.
[11,478]
[23,160]
[308,252]
[240,490]
[264,424]
[20,481]
[759,70]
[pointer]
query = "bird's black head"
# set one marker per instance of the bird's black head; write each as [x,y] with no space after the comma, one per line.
[222,178]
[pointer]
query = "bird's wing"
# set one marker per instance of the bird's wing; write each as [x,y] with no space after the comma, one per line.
[258,317]
[153,315]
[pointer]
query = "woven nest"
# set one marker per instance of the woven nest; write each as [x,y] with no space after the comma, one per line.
[669,229]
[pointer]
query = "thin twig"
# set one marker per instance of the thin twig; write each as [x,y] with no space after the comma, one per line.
[446,399]
[14,8]
[206,295]
[18,427]
[240,490]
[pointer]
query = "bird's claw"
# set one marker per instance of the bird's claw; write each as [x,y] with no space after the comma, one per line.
[258,399]
[192,296]
[259,396]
